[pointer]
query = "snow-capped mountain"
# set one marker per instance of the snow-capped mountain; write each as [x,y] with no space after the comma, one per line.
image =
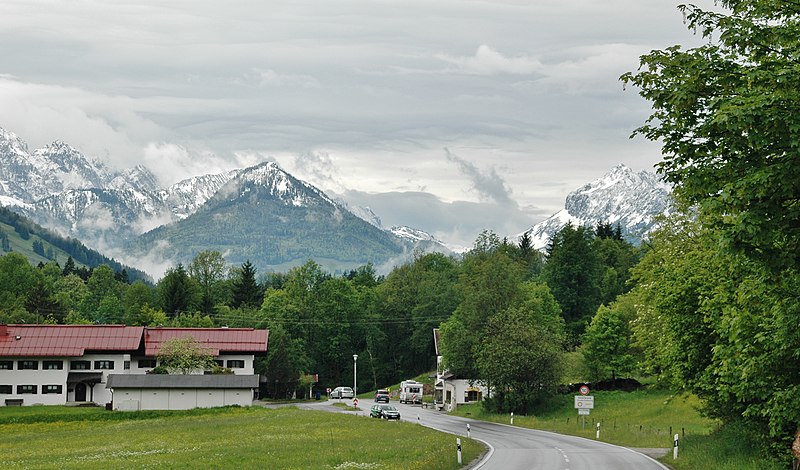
[185,197]
[420,239]
[255,213]
[621,197]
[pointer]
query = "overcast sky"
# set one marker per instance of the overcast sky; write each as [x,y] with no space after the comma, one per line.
[450,116]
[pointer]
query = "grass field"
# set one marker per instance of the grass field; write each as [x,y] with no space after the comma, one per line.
[285,438]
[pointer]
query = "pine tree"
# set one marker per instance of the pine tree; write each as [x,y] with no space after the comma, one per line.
[246,292]
[69,267]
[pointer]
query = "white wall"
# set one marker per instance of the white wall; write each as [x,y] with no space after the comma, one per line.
[98,393]
[457,389]
[180,398]
[40,377]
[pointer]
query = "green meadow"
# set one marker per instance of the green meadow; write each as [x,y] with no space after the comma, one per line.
[284,438]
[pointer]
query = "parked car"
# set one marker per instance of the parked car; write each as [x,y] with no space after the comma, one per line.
[342,392]
[384,412]
[382,395]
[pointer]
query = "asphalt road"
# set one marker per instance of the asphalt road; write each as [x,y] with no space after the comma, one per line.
[515,448]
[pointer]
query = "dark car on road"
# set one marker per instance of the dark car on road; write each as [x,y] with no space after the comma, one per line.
[382,395]
[384,412]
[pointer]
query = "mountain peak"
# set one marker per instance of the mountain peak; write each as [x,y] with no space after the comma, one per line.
[620,196]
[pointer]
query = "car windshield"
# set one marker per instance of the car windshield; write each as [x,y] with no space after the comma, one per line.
[388,407]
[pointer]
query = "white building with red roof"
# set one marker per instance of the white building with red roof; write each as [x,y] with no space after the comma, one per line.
[72,364]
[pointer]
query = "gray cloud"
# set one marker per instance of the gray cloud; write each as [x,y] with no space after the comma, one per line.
[489,185]
[352,94]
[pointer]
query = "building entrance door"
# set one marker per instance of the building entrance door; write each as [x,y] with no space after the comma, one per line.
[80,392]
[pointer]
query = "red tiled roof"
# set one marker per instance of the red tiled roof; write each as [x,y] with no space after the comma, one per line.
[67,340]
[214,339]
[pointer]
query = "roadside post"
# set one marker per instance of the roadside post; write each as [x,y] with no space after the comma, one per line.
[512,417]
[584,403]
[467,429]
[675,448]
[458,450]
[598,430]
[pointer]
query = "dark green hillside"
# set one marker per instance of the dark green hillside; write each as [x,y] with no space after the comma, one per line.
[40,245]
[264,229]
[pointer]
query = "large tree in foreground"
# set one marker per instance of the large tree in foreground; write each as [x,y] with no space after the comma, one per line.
[728,115]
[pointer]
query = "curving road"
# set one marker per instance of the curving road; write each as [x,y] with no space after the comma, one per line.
[512,448]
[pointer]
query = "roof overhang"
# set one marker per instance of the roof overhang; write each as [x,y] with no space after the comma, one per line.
[84,378]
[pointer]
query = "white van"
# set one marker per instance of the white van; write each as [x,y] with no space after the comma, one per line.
[410,392]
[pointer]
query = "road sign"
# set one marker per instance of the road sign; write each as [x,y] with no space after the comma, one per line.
[584,401]
[329,390]
[584,390]
[355,402]
[583,411]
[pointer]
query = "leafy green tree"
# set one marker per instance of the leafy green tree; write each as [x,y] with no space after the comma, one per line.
[17,279]
[727,115]
[681,270]
[102,286]
[412,300]
[708,321]
[616,257]
[69,292]
[136,298]
[207,269]
[607,349]
[519,355]
[185,355]
[490,282]
[192,320]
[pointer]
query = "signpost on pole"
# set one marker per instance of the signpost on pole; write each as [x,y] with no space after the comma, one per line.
[584,403]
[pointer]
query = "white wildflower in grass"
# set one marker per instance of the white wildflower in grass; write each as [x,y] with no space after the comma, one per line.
[357,465]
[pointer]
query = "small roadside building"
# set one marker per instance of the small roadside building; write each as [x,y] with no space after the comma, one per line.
[71,364]
[451,391]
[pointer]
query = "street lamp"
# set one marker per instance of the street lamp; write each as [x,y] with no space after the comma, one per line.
[355,376]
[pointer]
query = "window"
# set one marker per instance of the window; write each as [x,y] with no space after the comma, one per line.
[219,362]
[51,389]
[235,363]
[28,365]
[80,365]
[52,365]
[26,389]
[472,395]
[146,363]
[103,364]
[126,365]
[5,390]
[6,365]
